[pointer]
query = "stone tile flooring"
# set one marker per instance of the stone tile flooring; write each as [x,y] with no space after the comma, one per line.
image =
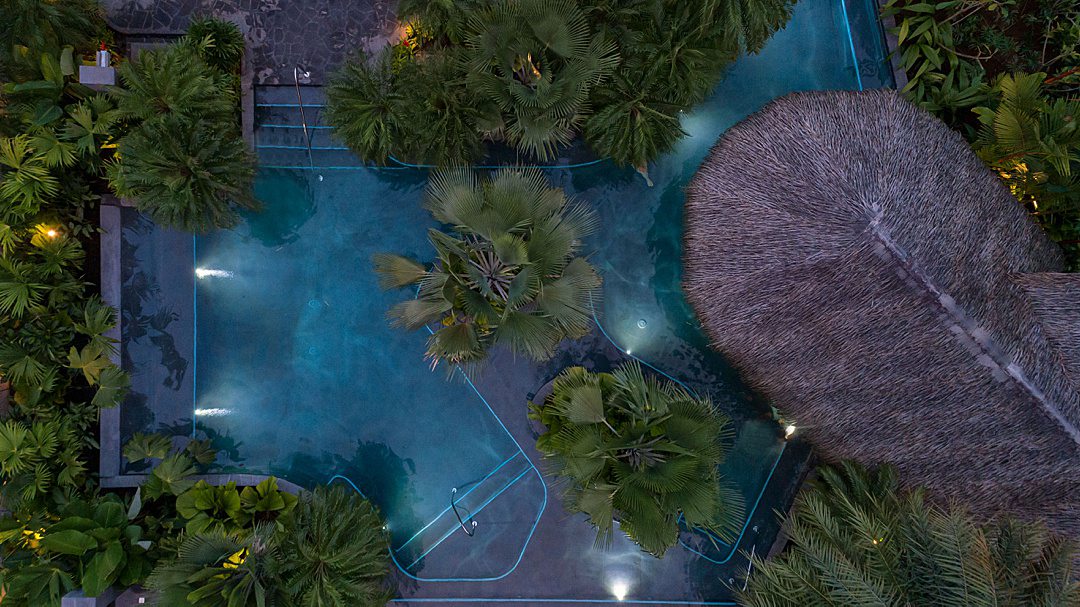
[317,35]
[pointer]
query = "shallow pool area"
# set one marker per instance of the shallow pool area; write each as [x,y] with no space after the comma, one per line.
[271,339]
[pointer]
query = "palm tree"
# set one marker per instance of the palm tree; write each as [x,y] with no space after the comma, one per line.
[747,23]
[219,570]
[45,26]
[171,81]
[442,18]
[509,274]
[643,451]
[363,106]
[538,60]
[858,540]
[185,173]
[219,43]
[335,551]
[417,109]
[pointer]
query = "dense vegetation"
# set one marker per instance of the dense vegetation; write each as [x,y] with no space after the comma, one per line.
[536,74]
[509,274]
[1006,74]
[857,539]
[643,451]
[169,138]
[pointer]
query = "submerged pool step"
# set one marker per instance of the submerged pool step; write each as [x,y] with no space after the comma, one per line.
[472,497]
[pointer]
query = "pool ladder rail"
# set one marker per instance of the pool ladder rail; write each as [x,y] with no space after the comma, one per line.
[469,529]
[297,72]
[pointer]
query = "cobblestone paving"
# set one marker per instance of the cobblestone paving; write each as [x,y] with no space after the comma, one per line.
[316,35]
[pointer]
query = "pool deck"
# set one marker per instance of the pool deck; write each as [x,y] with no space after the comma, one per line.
[316,35]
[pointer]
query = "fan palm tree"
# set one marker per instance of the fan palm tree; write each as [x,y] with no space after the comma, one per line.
[858,540]
[508,274]
[335,551]
[643,451]
[538,60]
[185,173]
[218,570]
[363,106]
[442,18]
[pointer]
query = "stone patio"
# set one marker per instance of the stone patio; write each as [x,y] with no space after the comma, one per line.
[316,35]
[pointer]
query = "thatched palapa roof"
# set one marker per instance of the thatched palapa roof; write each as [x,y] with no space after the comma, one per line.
[863,269]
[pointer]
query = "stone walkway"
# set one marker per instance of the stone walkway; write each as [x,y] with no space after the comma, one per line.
[317,35]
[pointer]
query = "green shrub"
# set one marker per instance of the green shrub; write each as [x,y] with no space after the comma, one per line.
[639,450]
[219,43]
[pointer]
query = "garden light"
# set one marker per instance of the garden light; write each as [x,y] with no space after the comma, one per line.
[789,431]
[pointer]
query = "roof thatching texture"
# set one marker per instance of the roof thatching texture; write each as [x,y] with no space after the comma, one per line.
[866,272]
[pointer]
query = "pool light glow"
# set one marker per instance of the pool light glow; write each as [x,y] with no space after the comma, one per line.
[212,273]
[619,588]
[212,412]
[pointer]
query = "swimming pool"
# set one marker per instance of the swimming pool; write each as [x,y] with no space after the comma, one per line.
[281,351]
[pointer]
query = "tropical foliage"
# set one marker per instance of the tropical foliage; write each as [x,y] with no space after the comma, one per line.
[183,161]
[857,539]
[536,74]
[638,450]
[331,552]
[1005,75]
[509,273]
[220,43]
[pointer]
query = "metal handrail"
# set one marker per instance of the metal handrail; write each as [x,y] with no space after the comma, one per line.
[469,530]
[303,118]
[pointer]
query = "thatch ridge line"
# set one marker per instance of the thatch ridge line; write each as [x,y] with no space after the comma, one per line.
[994,356]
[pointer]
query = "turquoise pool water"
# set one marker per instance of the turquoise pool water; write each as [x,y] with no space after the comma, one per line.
[289,360]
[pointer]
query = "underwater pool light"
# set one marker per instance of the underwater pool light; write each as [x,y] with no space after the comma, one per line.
[628,350]
[212,273]
[620,588]
[212,412]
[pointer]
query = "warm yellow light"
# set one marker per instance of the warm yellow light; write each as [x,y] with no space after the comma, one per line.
[51,233]
[789,430]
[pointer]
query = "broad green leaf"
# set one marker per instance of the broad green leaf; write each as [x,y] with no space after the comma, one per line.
[68,541]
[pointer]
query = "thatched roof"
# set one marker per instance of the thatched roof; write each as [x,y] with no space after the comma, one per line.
[865,271]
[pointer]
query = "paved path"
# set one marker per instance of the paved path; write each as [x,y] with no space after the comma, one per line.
[315,34]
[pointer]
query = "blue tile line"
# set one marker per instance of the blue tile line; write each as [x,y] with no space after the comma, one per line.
[532,467]
[851,43]
[474,513]
[447,509]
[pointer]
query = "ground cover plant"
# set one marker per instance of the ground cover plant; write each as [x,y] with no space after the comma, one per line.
[538,74]
[858,539]
[510,272]
[1006,75]
[641,450]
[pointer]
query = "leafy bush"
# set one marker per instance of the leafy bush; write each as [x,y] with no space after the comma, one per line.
[510,274]
[93,545]
[333,551]
[219,43]
[857,539]
[224,509]
[639,450]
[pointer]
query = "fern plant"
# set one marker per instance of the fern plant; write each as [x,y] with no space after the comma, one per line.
[642,451]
